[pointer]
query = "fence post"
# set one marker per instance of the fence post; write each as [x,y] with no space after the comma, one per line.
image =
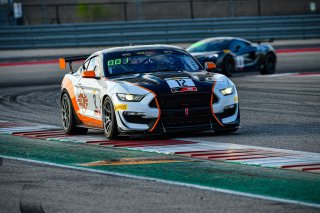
[231,8]
[191,9]
[139,9]
[44,12]
[57,14]
[259,7]
[125,11]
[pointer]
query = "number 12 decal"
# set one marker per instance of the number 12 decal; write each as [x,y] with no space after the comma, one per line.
[180,82]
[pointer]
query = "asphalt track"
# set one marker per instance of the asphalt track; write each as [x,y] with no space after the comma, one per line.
[276,111]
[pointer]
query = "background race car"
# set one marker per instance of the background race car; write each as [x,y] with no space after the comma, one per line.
[235,54]
[151,89]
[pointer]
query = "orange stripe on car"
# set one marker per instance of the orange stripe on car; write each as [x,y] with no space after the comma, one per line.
[157,103]
[211,104]
[67,84]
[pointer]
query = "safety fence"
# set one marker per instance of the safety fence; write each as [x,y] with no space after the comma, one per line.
[161,31]
[74,11]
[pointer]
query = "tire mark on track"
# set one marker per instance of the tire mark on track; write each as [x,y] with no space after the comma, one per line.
[27,203]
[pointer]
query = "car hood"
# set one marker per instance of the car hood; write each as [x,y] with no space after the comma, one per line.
[157,82]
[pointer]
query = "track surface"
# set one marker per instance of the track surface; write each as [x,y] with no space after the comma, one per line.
[278,112]
[32,186]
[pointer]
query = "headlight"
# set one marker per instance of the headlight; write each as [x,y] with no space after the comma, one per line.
[130,97]
[227,91]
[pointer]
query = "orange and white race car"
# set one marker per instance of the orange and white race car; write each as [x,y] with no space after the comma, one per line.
[149,89]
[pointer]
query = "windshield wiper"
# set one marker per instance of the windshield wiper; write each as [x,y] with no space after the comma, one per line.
[164,70]
[124,73]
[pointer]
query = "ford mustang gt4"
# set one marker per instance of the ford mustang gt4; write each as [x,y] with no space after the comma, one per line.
[149,89]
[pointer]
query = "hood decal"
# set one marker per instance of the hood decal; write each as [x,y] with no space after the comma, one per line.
[170,82]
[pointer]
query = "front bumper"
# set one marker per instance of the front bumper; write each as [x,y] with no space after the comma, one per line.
[141,117]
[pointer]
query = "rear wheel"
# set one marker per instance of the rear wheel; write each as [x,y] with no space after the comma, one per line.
[269,64]
[228,66]
[109,120]
[68,117]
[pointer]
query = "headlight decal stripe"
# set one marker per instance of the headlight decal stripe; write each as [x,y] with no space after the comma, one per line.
[211,104]
[157,103]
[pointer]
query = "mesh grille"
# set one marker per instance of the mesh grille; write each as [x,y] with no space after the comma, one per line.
[185,100]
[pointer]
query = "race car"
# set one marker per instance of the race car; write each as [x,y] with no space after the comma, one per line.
[235,54]
[148,89]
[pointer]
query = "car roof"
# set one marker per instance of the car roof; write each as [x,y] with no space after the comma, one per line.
[223,38]
[138,48]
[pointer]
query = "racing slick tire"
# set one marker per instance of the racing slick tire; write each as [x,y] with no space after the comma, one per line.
[228,66]
[68,117]
[269,64]
[110,127]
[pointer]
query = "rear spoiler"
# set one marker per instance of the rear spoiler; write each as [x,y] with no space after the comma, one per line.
[64,61]
[270,40]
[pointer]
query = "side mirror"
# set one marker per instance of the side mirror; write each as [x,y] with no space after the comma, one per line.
[210,66]
[88,74]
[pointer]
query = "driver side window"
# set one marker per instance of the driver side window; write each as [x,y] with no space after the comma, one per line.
[83,67]
[237,46]
[94,66]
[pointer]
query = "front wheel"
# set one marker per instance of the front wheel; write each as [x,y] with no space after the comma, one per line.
[68,117]
[228,66]
[109,120]
[269,64]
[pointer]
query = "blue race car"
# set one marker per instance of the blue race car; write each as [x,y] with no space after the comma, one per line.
[235,54]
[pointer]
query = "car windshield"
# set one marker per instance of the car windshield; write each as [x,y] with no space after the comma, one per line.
[144,61]
[216,45]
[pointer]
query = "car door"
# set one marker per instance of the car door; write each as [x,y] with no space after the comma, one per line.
[88,90]
[245,53]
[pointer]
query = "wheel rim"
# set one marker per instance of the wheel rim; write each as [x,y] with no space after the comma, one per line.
[65,111]
[270,63]
[107,119]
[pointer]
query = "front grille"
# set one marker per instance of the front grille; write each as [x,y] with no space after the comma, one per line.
[189,111]
[186,121]
[181,112]
[185,100]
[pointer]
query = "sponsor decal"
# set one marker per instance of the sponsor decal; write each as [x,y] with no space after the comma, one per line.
[184,89]
[83,101]
[119,107]
[236,99]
